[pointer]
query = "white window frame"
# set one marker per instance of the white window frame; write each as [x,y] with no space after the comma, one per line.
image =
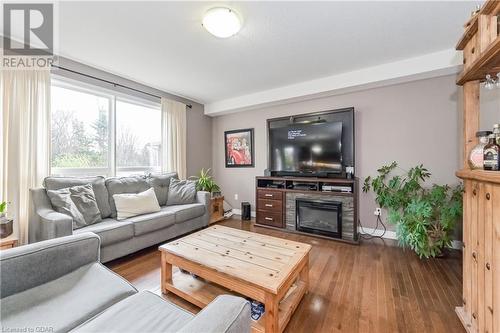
[113,97]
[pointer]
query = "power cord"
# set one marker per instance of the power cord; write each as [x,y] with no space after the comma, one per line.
[366,235]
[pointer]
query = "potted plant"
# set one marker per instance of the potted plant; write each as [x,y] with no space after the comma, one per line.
[205,182]
[6,225]
[3,209]
[424,217]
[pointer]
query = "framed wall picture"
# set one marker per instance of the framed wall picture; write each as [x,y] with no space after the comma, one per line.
[239,147]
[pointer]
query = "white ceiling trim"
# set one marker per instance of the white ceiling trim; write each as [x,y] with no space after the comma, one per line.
[430,65]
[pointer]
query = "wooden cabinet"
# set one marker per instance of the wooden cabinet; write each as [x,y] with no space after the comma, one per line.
[269,194]
[217,209]
[8,243]
[276,202]
[274,219]
[480,311]
[270,205]
[270,208]
[490,236]
[493,262]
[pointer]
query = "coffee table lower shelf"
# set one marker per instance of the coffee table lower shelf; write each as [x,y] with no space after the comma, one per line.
[201,293]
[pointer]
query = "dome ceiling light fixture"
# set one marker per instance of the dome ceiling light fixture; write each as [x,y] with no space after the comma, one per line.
[222,22]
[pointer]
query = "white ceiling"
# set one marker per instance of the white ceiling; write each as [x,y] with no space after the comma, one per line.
[163,44]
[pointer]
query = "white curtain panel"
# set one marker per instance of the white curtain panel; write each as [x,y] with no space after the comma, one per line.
[174,137]
[25,99]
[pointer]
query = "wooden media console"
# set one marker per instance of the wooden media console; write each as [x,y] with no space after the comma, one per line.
[276,199]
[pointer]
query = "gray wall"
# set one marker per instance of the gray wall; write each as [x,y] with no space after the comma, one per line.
[199,140]
[412,123]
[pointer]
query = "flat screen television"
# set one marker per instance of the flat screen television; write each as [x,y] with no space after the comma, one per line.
[311,145]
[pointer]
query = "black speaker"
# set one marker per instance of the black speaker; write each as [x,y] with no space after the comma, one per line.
[245,211]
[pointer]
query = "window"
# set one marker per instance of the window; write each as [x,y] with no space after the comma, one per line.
[138,138]
[79,132]
[98,132]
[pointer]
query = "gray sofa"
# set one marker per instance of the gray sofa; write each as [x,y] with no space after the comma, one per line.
[59,285]
[119,238]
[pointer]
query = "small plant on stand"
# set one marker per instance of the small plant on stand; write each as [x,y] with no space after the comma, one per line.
[6,225]
[424,217]
[205,182]
[3,209]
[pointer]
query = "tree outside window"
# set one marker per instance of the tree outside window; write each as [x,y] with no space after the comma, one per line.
[80,134]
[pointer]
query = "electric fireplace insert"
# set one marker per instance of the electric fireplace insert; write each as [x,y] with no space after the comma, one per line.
[319,217]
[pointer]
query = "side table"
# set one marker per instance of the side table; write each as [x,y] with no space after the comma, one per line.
[8,242]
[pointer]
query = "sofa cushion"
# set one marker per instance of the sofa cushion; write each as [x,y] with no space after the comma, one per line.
[161,182]
[84,198]
[185,212]
[119,185]
[151,222]
[62,203]
[133,204]
[144,312]
[110,231]
[98,185]
[66,302]
[181,192]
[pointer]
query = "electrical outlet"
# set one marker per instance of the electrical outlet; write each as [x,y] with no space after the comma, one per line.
[236,196]
[378,211]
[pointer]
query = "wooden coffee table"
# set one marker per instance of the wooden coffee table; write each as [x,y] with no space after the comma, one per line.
[271,270]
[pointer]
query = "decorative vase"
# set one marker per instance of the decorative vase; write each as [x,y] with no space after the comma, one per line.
[5,226]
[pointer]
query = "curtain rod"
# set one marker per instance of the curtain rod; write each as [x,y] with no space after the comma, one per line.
[110,82]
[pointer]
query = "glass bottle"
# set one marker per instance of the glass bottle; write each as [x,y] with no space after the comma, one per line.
[491,154]
[476,156]
[496,132]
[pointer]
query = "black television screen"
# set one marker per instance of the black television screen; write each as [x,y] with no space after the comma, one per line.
[307,148]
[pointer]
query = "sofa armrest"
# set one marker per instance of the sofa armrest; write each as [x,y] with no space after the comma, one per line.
[46,222]
[226,314]
[31,265]
[205,198]
[54,224]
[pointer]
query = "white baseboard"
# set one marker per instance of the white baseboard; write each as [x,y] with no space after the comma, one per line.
[238,212]
[377,232]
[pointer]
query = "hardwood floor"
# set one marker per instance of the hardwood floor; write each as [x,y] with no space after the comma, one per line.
[373,287]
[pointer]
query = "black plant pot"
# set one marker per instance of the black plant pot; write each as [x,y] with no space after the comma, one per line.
[443,254]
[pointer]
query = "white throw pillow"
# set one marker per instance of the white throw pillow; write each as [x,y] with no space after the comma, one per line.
[132,204]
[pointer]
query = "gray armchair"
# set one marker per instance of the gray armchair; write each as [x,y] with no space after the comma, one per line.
[59,285]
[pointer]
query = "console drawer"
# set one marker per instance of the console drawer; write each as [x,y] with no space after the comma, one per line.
[269,194]
[274,219]
[270,205]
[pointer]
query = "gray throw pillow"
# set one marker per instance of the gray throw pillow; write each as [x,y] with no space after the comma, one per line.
[62,203]
[85,201]
[181,192]
[79,202]
[98,186]
[160,183]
